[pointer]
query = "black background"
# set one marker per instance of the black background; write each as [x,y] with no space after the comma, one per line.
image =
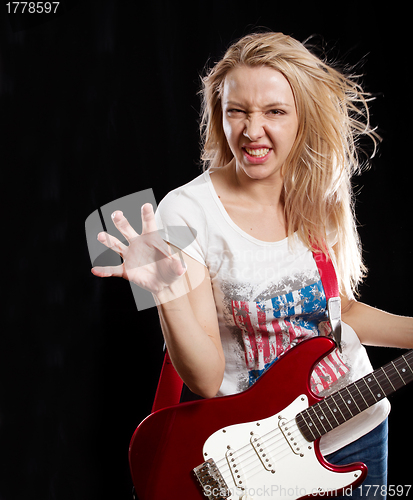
[100,101]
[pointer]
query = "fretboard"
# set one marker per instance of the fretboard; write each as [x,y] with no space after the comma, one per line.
[346,403]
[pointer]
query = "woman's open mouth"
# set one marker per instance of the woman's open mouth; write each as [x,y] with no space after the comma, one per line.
[256,155]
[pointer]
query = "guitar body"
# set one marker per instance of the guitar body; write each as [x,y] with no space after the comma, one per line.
[252,438]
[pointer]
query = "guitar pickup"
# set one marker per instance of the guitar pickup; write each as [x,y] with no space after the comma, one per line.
[292,435]
[258,445]
[234,467]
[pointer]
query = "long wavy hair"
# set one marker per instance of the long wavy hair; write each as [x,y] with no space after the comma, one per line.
[333,114]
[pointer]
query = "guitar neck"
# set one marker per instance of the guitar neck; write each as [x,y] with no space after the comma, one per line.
[346,403]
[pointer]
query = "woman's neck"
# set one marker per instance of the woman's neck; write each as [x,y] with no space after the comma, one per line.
[265,192]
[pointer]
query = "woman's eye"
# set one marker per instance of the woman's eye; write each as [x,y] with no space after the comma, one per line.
[235,111]
[275,112]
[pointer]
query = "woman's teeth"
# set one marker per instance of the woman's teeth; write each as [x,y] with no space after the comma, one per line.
[257,153]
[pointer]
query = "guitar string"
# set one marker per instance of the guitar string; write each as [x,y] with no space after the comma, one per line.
[271,447]
[340,403]
[247,452]
[254,466]
[249,462]
[250,466]
[248,470]
[241,457]
[248,448]
[250,452]
[286,451]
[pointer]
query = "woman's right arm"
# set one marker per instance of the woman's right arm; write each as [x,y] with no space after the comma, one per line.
[190,326]
[185,300]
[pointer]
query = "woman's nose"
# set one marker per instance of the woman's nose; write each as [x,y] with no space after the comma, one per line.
[254,128]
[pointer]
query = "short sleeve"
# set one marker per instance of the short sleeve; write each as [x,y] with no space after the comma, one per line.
[182,222]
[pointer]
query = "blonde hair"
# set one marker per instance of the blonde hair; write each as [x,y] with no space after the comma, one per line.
[333,113]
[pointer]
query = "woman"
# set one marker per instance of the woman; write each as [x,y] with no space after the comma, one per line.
[279,145]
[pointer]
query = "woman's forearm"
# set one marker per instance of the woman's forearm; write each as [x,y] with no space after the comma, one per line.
[379,328]
[192,339]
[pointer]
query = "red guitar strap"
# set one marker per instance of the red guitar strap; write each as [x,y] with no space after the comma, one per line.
[332,292]
[168,392]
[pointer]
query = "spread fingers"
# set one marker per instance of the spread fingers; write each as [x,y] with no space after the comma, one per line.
[112,243]
[122,224]
[148,219]
[105,272]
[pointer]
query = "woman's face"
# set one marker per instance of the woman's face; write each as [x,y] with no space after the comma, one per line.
[259,119]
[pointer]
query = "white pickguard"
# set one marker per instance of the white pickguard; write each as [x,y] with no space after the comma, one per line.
[284,466]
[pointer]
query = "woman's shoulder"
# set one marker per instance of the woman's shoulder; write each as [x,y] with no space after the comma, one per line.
[191,190]
[188,202]
[182,215]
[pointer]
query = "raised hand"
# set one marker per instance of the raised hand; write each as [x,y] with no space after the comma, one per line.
[147,261]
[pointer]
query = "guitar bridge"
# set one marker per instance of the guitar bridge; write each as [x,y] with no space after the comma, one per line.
[212,483]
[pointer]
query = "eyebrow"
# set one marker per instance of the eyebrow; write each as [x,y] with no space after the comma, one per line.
[271,105]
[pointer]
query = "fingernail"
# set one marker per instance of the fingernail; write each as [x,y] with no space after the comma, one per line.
[113,215]
[149,205]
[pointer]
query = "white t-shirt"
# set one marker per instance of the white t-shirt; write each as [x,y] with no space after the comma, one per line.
[269,298]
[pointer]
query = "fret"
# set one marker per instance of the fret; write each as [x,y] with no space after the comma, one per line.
[392,386]
[323,417]
[316,420]
[350,400]
[344,404]
[345,414]
[408,365]
[304,426]
[347,401]
[357,396]
[362,387]
[367,391]
[329,414]
[334,411]
[392,373]
[397,371]
[380,393]
[383,384]
[368,380]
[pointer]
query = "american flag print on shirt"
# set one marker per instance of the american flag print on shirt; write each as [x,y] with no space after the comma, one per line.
[272,327]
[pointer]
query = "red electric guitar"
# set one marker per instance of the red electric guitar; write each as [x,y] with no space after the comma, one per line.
[263,442]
